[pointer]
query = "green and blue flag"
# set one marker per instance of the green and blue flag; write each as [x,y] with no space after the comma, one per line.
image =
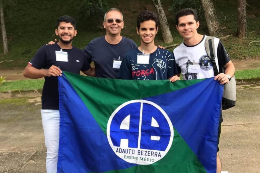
[126,126]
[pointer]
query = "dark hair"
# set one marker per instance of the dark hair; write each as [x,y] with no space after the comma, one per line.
[186,12]
[145,16]
[67,19]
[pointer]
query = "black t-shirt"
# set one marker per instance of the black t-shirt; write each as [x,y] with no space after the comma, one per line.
[161,66]
[45,57]
[103,54]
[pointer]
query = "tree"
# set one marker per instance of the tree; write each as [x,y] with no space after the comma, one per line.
[242,24]
[89,8]
[166,33]
[3,28]
[210,16]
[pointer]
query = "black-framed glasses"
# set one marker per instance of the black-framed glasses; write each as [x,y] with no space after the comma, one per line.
[116,20]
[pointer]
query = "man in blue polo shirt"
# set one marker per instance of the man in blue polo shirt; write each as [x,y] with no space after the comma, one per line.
[107,51]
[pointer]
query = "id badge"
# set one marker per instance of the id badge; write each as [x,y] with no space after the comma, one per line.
[116,64]
[61,56]
[143,59]
[193,68]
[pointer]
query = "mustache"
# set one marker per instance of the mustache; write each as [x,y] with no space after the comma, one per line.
[65,34]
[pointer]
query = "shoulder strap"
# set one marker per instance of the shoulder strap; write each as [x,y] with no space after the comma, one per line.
[210,49]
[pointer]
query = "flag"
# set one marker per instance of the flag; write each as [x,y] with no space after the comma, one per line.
[126,126]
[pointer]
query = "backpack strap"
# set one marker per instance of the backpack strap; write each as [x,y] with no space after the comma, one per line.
[210,49]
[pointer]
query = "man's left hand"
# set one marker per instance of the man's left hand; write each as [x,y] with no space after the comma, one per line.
[222,78]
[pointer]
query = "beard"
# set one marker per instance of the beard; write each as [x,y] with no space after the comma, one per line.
[65,41]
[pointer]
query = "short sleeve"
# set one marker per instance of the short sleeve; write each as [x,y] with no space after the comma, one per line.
[222,54]
[88,50]
[86,64]
[173,68]
[40,58]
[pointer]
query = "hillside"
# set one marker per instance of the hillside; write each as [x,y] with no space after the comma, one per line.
[31,24]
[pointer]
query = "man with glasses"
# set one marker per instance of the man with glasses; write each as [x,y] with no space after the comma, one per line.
[107,51]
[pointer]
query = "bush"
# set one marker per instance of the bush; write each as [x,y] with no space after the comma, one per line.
[2,79]
[93,11]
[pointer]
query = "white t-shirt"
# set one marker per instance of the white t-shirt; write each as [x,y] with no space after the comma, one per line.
[194,61]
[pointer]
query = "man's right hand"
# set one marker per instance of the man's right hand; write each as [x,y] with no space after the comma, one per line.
[34,73]
[53,71]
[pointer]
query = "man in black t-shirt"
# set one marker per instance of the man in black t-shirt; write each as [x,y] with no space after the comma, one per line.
[148,61]
[48,62]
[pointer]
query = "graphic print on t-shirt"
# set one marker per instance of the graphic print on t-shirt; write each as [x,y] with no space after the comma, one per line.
[190,75]
[157,67]
[142,71]
[205,63]
[192,67]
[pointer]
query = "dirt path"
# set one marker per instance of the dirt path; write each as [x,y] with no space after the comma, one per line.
[22,141]
[239,64]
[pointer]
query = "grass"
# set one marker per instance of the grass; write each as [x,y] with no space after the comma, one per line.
[25,85]
[2,79]
[248,74]
[16,101]
[21,85]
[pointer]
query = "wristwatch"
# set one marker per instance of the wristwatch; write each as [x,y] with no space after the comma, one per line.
[229,78]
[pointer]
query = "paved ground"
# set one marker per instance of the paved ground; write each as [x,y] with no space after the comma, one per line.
[22,147]
[22,142]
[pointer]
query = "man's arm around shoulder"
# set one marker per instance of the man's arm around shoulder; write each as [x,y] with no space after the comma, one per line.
[90,72]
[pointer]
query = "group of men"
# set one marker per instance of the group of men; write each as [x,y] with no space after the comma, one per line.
[116,56]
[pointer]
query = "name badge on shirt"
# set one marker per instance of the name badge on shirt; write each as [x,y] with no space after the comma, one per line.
[193,68]
[143,59]
[116,64]
[61,56]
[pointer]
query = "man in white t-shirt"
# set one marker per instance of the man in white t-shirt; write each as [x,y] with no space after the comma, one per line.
[192,58]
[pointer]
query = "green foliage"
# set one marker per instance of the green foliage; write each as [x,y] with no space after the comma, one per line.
[92,11]
[32,24]
[8,6]
[180,4]
[2,79]
[22,85]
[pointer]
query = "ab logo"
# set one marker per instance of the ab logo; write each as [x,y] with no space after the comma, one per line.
[140,132]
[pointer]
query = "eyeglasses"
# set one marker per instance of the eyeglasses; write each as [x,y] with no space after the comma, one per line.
[116,20]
